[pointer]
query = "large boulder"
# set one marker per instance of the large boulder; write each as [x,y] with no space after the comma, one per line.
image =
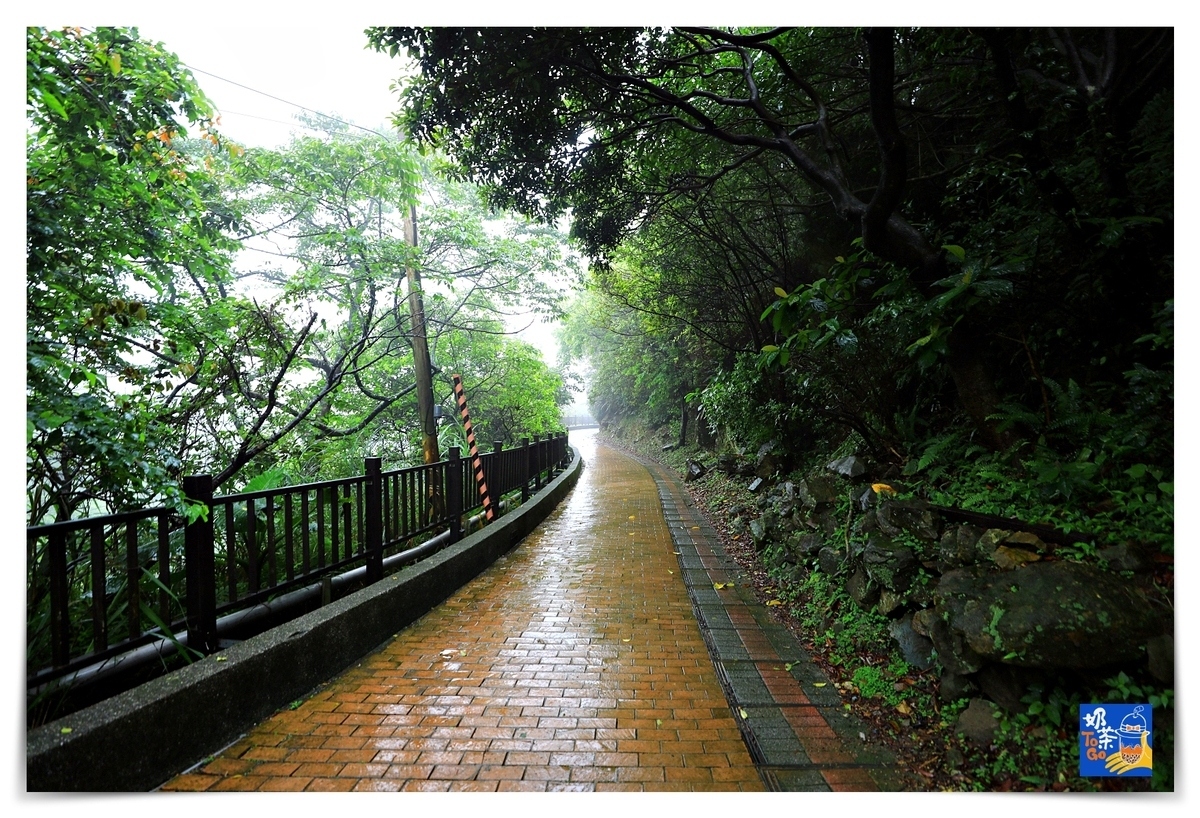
[830,560]
[891,566]
[953,652]
[815,492]
[1058,614]
[770,460]
[911,516]
[805,546]
[916,648]
[861,589]
[852,466]
[824,521]
[865,498]
[959,546]
[762,530]
[977,723]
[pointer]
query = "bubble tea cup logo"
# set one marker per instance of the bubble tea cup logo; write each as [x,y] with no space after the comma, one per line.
[1115,740]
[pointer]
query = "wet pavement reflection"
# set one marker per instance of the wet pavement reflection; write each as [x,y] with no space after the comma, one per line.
[573,663]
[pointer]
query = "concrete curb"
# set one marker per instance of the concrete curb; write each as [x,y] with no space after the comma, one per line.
[135,741]
[793,723]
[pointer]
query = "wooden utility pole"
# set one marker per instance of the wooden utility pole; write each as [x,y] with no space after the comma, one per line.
[420,345]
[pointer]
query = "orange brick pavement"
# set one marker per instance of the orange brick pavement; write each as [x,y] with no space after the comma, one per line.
[573,663]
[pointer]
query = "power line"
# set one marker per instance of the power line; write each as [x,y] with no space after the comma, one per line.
[271,96]
[284,101]
[293,124]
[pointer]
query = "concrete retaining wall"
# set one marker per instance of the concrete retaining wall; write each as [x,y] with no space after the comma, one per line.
[137,740]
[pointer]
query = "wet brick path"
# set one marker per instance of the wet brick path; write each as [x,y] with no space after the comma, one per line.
[597,655]
[791,717]
[573,663]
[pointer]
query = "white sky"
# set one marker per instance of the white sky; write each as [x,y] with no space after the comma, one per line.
[259,78]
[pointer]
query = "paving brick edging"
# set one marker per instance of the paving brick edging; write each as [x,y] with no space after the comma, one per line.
[797,732]
[135,741]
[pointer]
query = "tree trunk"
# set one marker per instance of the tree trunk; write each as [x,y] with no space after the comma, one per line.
[975,384]
[683,422]
[424,374]
[420,345]
[704,434]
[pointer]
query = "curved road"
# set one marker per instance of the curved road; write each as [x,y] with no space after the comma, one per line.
[574,663]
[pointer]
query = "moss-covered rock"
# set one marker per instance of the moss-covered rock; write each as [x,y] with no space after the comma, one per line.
[1046,614]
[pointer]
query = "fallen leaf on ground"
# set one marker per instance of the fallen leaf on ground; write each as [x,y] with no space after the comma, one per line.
[742,712]
[820,684]
[773,602]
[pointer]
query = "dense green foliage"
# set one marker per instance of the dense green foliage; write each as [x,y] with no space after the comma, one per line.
[199,308]
[955,245]
[332,248]
[123,243]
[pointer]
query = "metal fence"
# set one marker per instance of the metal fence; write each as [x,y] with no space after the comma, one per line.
[102,587]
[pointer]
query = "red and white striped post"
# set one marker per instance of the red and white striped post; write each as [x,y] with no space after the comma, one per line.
[476,464]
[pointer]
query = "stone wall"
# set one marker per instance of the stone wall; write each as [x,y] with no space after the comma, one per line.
[992,606]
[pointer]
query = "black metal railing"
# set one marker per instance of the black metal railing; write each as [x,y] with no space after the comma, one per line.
[101,587]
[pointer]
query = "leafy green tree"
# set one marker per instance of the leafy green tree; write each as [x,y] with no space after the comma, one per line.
[639,365]
[326,255]
[122,235]
[512,393]
[328,218]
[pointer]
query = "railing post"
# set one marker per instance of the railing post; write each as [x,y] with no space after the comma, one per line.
[537,463]
[200,569]
[525,469]
[454,493]
[374,518]
[60,620]
[498,480]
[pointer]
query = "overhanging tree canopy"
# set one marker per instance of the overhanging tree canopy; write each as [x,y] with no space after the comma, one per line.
[885,128]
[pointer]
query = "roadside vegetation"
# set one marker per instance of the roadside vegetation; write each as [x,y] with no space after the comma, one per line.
[1034,747]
